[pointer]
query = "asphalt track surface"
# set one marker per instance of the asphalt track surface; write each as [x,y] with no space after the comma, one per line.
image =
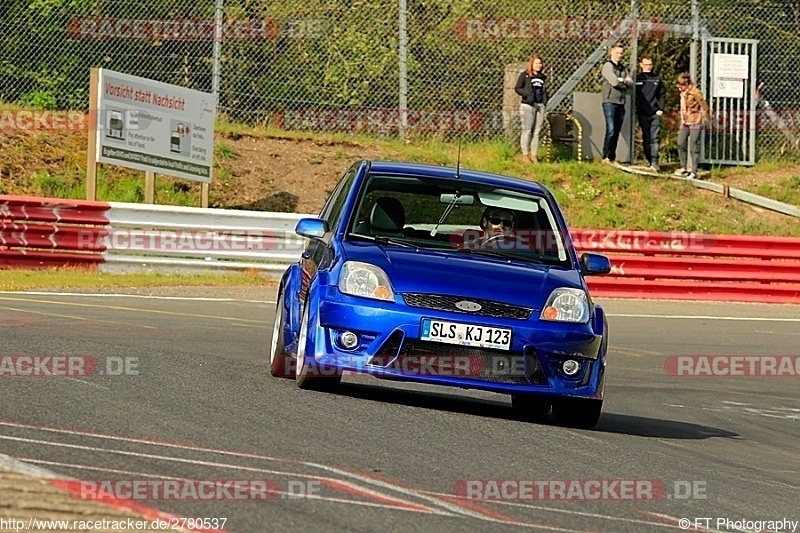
[197,403]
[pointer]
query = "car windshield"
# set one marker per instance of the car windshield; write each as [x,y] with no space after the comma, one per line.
[461,217]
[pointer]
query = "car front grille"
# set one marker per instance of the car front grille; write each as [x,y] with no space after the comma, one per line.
[425,358]
[448,303]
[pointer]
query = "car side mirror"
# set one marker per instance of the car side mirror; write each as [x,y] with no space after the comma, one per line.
[312,228]
[595,264]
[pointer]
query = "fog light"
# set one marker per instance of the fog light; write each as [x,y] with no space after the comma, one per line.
[349,340]
[571,367]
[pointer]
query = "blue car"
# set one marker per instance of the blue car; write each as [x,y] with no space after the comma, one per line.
[445,276]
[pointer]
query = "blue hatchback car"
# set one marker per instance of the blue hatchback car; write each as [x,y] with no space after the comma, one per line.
[445,276]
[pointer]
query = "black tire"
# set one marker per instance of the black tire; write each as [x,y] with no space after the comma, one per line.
[309,375]
[530,407]
[577,413]
[281,364]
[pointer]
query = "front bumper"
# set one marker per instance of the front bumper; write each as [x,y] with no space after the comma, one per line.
[389,347]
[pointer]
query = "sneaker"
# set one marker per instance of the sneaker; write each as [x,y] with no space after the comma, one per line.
[691,176]
[655,168]
[681,172]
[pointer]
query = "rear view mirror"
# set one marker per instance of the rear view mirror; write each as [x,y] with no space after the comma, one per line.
[595,264]
[312,228]
[464,199]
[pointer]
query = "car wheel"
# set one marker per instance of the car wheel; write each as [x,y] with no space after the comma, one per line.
[577,413]
[309,374]
[281,365]
[530,407]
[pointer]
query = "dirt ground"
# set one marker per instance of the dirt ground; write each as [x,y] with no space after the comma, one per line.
[286,175]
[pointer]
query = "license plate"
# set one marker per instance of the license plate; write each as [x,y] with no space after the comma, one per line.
[465,334]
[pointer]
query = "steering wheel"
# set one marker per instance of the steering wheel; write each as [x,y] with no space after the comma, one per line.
[495,240]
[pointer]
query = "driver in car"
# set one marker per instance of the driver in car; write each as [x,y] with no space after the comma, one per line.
[497,224]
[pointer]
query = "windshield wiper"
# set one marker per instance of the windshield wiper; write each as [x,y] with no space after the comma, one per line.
[501,255]
[384,240]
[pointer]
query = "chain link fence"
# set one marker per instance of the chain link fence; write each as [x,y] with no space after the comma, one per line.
[382,66]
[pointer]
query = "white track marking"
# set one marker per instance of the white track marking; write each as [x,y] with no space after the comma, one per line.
[141,296]
[453,508]
[73,317]
[706,317]
[131,309]
[213,464]
[565,511]
[418,508]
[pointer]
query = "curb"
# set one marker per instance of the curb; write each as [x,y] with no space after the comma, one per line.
[72,487]
[724,190]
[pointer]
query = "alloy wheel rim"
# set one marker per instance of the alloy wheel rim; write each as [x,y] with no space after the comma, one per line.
[275,331]
[301,342]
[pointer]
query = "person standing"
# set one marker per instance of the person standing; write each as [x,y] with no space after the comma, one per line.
[694,115]
[532,87]
[650,104]
[616,82]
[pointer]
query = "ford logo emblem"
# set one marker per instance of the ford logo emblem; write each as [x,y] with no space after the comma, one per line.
[466,305]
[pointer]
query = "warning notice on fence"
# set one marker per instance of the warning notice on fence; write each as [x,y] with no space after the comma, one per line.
[153,126]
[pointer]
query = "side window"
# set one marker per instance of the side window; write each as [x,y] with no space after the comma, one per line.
[333,207]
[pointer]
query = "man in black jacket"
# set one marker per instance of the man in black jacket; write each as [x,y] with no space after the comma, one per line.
[650,100]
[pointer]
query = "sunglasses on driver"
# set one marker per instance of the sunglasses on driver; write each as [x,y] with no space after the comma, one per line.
[496,221]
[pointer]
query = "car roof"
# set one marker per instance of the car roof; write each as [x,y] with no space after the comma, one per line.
[438,172]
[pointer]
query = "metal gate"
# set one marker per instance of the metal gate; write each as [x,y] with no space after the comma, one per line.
[728,82]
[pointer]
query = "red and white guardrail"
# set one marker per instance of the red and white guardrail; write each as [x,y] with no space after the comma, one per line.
[695,266]
[112,236]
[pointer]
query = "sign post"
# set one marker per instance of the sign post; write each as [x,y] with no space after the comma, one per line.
[91,153]
[152,126]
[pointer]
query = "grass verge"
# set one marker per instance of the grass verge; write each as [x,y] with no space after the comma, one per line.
[592,195]
[71,278]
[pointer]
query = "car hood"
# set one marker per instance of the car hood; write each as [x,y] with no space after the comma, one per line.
[461,274]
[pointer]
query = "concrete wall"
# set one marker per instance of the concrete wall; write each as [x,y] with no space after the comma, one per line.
[588,109]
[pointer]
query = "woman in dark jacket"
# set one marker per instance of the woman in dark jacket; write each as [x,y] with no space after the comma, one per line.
[531,86]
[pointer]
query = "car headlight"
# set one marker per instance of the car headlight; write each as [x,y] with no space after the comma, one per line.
[566,305]
[368,281]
